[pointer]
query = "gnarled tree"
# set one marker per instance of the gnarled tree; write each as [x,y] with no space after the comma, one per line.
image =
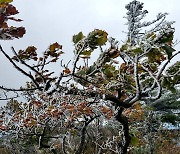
[67,112]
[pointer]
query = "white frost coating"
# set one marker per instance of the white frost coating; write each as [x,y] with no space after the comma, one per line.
[134,16]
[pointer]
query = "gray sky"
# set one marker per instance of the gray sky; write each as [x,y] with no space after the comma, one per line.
[58,20]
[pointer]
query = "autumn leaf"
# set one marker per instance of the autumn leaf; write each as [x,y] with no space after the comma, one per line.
[71,118]
[69,106]
[55,46]
[4,25]
[113,53]
[3,128]
[42,116]
[17,32]
[123,67]
[2,20]
[3,7]
[82,105]
[37,103]
[137,106]
[104,109]
[127,111]
[88,111]
[40,58]
[11,10]
[109,114]
[31,49]
[55,113]
[67,71]
[54,59]
[50,108]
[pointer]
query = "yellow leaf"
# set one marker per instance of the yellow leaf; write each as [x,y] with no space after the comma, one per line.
[137,106]
[55,46]
[122,67]
[6,1]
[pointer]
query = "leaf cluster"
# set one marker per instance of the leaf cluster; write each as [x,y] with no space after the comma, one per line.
[7,11]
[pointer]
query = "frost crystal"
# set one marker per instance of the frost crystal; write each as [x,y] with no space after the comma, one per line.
[135,24]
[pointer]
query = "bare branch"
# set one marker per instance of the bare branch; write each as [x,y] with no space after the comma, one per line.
[164,66]
[21,89]
[159,91]
[77,57]
[19,69]
[30,67]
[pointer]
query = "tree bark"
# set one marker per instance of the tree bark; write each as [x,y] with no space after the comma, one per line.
[124,144]
[82,141]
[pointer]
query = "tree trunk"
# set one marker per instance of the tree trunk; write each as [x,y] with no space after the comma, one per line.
[124,144]
[82,141]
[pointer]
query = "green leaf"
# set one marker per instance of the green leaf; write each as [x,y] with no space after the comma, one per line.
[151,35]
[134,141]
[87,52]
[6,1]
[176,79]
[155,55]
[166,38]
[170,118]
[169,50]
[78,37]
[124,47]
[165,82]
[168,83]
[174,68]
[137,50]
[172,89]
[109,71]
[97,38]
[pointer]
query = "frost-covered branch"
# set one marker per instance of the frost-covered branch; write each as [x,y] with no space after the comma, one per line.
[165,65]
[157,82]
[19,69]
[27,65]
[77,56]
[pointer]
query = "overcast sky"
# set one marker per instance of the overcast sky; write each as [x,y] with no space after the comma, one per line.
[58,20]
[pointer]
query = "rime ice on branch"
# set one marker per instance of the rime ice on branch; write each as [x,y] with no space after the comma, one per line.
[65,112]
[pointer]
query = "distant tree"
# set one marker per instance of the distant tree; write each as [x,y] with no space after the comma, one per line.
[168,107]
[68,113]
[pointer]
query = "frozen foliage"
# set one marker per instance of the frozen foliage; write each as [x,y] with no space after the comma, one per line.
[135,16]
[70,112]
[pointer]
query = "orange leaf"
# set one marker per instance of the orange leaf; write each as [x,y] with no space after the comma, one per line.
[137,106]
[4,25]
[3,128]
[127,111]
[104,109]
[67,71]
